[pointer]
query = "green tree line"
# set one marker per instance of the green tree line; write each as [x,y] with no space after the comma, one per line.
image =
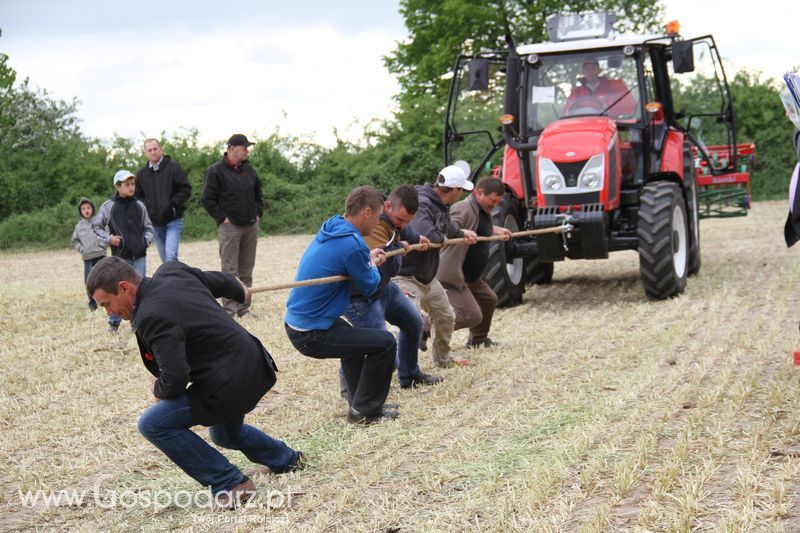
[47,163]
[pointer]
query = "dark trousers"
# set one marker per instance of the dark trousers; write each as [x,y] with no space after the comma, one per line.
[237,250]
[474,306]
[88,265]
[367,357]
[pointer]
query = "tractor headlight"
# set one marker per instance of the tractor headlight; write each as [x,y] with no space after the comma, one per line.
[591,177]
[589,180]
[552,182]
[550,178]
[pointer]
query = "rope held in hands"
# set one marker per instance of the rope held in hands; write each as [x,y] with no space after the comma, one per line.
[411,248]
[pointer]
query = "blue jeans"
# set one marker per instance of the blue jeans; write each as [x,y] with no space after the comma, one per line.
[166,425]
[395,308]
[167,239]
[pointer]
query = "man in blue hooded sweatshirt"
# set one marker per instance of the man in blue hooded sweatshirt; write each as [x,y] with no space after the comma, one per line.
[313,314]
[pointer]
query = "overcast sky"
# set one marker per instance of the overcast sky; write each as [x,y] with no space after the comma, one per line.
[305,67]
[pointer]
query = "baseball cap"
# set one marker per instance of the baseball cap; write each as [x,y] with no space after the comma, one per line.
[453,176]
[238,139]
[122,175]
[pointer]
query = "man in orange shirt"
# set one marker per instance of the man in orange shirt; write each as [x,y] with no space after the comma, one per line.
[597,93]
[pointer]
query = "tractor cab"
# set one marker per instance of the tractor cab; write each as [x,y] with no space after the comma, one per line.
[593,126]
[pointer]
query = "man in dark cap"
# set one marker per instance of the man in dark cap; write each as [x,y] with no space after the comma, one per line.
[232,196]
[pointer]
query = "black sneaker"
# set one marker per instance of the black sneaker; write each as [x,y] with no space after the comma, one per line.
[245,314]
[354,417]
[230,312]
[486,343]
[422,379]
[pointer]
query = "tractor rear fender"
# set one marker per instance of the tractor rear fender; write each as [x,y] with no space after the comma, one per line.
[512,173]
[671,160]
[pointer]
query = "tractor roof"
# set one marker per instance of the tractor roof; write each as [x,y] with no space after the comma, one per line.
[591,44]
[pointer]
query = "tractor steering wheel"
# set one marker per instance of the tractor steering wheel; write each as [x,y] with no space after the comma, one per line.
[575,109]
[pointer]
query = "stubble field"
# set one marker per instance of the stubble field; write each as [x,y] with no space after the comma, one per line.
[600,411]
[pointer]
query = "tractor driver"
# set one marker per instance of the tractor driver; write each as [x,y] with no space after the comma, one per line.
[597,94]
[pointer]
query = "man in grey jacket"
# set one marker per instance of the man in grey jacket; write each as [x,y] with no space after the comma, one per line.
[461,267]
[418,271]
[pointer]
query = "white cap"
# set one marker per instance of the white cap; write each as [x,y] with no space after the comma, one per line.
[464,166]
[454,177]
[122,175]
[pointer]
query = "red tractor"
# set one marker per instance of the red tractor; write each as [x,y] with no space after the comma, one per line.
[600,131]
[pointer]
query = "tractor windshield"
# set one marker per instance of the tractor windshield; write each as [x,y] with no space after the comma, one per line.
[580,84]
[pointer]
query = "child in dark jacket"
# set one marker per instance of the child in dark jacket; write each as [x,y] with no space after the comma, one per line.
[123,223]
[85,242]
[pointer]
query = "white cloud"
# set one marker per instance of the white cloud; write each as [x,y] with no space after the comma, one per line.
[219,82]
[755,37]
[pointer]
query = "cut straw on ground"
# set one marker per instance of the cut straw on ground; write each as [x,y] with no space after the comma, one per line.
[600,411]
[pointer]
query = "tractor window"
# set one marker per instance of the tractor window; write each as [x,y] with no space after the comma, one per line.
[700,100]
[579,84]
[649,79]
[476,104]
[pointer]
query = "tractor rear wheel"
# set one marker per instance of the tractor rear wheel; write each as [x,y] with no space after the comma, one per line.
[663,231]
[505,276]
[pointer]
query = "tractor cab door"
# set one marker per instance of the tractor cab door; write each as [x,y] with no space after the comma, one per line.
[472,130]
[701,103]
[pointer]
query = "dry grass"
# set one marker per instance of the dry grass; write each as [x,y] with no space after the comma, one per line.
[601,411]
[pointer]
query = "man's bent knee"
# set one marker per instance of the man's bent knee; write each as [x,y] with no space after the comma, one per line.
[219,436]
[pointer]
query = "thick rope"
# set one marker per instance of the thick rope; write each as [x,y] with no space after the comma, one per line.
[411,248]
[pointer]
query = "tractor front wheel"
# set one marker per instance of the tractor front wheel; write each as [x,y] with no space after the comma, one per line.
[538,273]
[663,231]
[505,276]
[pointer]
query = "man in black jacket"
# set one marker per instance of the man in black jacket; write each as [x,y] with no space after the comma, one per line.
[209,370]
[418,270]
[161,185]
[232,196]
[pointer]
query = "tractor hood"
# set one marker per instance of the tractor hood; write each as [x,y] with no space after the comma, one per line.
[576,139]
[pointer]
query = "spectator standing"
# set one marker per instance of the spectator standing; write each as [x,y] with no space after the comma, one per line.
[123,223]
[86,243]
[232,196]
[162,186]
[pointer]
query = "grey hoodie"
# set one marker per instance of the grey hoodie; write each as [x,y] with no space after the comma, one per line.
[433,221]
[84,239]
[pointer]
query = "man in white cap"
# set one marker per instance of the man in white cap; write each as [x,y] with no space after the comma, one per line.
[418,272]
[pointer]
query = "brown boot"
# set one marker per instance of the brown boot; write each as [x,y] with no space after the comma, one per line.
[237,496]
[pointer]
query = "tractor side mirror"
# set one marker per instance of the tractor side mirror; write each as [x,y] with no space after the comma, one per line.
[478,74]
[682,57]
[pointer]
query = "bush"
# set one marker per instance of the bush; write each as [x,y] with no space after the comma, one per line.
[50,227]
